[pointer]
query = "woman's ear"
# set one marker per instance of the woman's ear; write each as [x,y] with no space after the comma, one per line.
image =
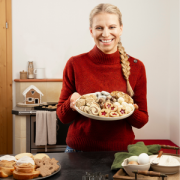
[90,29]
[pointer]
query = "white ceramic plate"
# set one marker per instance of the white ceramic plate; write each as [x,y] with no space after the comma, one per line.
[163,168]
[102,118]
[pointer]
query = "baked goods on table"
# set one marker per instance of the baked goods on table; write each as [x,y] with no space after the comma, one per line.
[105,104]
[27,166]
[7,163]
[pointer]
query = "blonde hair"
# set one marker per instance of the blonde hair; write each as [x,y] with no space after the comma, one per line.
[108,8]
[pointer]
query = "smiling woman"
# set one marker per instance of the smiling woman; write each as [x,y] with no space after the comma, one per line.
[106,67]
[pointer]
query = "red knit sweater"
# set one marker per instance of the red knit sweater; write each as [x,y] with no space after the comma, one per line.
[95,71]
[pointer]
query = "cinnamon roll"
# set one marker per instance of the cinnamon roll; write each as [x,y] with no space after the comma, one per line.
[84,109]
[94,110]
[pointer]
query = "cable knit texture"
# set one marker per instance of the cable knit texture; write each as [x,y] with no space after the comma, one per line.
[95,71]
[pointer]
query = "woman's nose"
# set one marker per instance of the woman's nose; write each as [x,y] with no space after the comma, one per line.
[105,32]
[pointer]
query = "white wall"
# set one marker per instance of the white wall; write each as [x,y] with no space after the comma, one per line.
[51,31]
[173,82]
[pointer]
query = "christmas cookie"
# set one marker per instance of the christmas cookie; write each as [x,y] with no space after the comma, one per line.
[104,113]
[113,114]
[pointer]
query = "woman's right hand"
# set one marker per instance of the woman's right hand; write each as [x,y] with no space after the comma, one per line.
[73,99]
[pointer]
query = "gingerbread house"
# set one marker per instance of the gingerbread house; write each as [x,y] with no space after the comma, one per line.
[32,95]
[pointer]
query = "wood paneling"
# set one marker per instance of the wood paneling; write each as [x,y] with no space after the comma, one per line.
[9,77]
[5,78]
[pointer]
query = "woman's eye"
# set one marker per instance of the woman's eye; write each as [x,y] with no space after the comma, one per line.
[112,27]
[98,28]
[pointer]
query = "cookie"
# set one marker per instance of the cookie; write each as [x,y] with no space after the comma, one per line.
[113,114]
[114,108]
[89,101]
[121,111]
[80,102]
[108,105]
[46,166]
[104,113]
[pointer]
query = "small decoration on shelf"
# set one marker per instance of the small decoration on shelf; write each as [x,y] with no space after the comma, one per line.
[30,70]
[32,95]
[23,75]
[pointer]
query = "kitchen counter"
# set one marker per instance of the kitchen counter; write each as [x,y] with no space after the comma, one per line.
[22,111]
[75,165]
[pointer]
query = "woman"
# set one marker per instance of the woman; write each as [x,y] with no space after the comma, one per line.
[106,67]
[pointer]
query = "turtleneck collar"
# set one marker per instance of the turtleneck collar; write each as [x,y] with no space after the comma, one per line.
[98,57]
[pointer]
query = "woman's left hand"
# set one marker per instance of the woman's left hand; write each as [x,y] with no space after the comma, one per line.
[136,106]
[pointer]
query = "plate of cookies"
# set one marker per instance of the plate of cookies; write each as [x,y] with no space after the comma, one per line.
[28,166]
[105,106]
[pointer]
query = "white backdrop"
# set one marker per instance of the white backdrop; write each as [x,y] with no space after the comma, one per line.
[49,32]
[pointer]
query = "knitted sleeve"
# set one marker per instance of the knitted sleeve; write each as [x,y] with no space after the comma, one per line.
[140,117]
[64,112]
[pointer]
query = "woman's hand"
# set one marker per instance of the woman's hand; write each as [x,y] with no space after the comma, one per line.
[73,99]
[136,106]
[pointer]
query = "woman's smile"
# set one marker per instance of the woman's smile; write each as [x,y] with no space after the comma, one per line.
[106,41]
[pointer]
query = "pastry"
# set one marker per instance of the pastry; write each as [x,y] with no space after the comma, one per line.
[25,160]
[100,100]
[105,93]
[40,156]
[120,100]
[104,113]
[89,101]
[122,111]
[84,109]
[6,168]
[114,108]
[95,104]
[126,97]
[8,158]
[46,166]
[94,110]
[87,96]
[23,154]
[25,171]
[80,102]
[113,114]
[108,105]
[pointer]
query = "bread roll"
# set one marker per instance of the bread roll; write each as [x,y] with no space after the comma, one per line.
[40,156]
[23,154]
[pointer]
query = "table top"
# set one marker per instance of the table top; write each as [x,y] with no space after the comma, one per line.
[75,165]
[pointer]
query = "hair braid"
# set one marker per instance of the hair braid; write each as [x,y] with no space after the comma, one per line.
[125,67]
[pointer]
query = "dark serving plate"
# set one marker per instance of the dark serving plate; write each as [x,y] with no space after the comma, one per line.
[45,107]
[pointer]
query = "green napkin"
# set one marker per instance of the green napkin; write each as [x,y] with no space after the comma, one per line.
[134,150]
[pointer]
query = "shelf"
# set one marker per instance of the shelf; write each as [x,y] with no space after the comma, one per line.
[38,80]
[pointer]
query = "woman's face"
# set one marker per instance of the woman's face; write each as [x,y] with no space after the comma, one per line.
[106,32]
